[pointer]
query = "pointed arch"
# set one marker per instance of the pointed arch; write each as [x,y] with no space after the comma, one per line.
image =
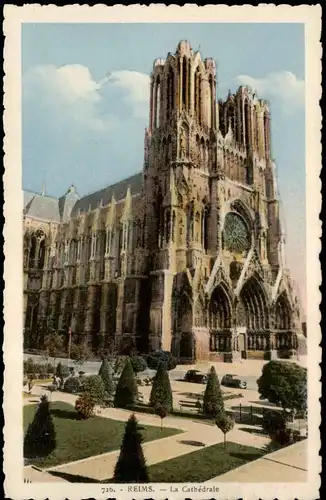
[199,312]
[242,209]
[255,300]
[282,312]
[220,308]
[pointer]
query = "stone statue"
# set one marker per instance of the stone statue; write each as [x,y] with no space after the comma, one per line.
[183,143]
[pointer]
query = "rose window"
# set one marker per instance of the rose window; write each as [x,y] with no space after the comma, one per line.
[236,234]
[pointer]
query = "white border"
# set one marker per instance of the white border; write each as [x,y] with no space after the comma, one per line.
[14,17]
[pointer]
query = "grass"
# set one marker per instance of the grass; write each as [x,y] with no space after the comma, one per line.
[78,439]
[204,464]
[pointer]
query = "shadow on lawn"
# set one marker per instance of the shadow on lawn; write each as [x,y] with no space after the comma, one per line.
[192,443]
[259,432]
[72,478]
[247,457]
[68,414]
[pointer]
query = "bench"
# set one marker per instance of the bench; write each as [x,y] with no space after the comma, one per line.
[189,404]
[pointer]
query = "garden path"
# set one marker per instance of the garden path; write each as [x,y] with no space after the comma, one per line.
[195,435]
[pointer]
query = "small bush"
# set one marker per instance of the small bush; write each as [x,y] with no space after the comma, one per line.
[62,371]
[273,422]
[161,357]
[49,368]
[138,363]
[81,373]
[94,387]
[72,385]
[85,406]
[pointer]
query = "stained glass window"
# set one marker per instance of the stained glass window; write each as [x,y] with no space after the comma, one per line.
[236,235]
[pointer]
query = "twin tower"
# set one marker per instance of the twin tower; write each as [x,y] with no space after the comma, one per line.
[213,229]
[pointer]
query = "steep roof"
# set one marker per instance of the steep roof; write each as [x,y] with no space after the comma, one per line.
[41,206]
[104,196]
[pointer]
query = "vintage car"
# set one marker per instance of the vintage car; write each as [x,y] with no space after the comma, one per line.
[231,381]
[196,377]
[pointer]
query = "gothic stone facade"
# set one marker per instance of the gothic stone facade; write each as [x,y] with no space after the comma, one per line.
[185,256]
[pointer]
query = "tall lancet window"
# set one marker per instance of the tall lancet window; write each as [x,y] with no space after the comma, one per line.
[247,124]
[157,102]
[184,83]
[211,102]
[267,135]
[170,94]
[198,95]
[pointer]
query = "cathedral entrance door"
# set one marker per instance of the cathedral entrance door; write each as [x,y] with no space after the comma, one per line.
[242,333]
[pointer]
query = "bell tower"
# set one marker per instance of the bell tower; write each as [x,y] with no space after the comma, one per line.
[180,157]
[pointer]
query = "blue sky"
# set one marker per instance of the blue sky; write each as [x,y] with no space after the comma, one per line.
[85,102]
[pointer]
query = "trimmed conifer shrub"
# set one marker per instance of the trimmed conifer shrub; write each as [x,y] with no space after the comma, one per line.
[105,373]
[131,464]
[161,393]
[40,438]
[213,405]
[127,390]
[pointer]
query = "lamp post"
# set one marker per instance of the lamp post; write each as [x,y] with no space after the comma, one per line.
[69,344]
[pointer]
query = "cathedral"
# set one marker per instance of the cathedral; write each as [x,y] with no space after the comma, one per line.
[188,254]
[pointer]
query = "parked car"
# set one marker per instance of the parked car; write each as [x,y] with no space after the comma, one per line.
[231,381]
[196,377]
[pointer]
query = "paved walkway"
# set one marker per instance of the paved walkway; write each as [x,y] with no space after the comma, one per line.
[194,435]
[288,465]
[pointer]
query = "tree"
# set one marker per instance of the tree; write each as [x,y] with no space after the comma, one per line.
[273,422]
[105,373]
[164,357]
[62,371]
[131,464]
[127,390]
[161,394]
[213,404]
[225,423]
[94,387]
[53,345]
[40,438]
[109,352]
[284,383]
[80,353]
[138,363]
[84,406]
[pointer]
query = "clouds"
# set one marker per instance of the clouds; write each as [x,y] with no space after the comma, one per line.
[282,87]
[82,129]
[136,86]
[70,96]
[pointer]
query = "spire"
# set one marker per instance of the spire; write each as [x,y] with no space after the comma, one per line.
[43,188]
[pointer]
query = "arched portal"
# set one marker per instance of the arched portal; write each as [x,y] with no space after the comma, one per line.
[282,313]
[220,320]
[184,327]
[282,323]
[255,312]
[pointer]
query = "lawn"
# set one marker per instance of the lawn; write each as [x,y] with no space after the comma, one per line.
[78,439]
[203,464]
